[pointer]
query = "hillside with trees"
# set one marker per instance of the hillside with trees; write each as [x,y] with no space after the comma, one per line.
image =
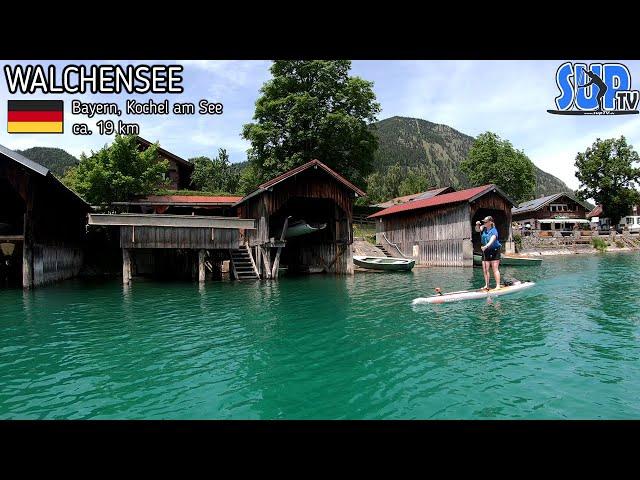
[55,159]
[438,151]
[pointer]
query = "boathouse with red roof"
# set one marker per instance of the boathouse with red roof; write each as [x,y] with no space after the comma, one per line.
[439,230]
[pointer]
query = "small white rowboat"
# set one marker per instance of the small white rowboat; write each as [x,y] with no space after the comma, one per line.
[383,263]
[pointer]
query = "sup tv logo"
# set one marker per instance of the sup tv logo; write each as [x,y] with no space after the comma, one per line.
[599,89]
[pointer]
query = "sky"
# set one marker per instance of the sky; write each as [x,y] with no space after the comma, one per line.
[506,97]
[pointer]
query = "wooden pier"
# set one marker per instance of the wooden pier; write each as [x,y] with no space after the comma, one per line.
[153,232]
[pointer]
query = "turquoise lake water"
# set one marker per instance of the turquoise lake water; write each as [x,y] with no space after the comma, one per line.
[325,347]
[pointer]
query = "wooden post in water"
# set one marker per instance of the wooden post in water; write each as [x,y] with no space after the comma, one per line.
[201,270]
[266,253]
[258,258]
[126,266]
[27,245]
[276,262]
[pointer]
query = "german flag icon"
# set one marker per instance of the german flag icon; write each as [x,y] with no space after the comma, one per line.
[35,116]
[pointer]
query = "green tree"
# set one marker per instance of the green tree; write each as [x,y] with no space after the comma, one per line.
[117,172]
[391,183]
[215,175]
[608,172]
[493,160]
[375,190]
[55,159]
[313,109]
[249,180]
[416,180]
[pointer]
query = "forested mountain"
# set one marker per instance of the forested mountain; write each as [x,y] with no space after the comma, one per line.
[439,149]
[55,159]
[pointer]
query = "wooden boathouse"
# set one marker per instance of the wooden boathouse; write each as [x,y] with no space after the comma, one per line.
[439,230]
[312,193]
[42,224]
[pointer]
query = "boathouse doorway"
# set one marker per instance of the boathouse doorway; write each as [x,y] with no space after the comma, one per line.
[315,251]
[500,219]
[176,264]
[11,235]
[10,264]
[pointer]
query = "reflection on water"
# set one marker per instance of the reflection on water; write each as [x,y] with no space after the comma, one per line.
[328,347]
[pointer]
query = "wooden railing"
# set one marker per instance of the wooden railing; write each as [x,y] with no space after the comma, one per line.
[394,245]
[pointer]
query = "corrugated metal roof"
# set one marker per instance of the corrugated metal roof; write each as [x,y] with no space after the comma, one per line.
[447,198]
[536,204]
[40,170]
[434,192]
[414,196]
[397,200]
[24,161]
[313,163]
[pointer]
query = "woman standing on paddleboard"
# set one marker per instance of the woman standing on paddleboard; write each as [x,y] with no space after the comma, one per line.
[490,251]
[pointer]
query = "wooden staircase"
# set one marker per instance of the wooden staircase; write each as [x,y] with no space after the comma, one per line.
[244,268]
[384,250]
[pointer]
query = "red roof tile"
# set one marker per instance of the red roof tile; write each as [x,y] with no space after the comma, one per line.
[169,199]
[596,212]
[453,197]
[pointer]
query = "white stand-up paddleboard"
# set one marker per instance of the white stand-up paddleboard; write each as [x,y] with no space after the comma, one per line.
[473,294]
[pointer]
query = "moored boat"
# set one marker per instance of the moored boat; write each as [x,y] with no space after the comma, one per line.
[301,227]
[384,263]
[510,260]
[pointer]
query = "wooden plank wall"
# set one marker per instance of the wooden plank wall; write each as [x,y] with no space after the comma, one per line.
[310,187]
[53,224]
[54,263]
[256,208]
[266,204]
[186,238]
[334,258]
[438,233]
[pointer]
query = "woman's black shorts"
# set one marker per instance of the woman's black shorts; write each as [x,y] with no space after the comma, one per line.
[490,255]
